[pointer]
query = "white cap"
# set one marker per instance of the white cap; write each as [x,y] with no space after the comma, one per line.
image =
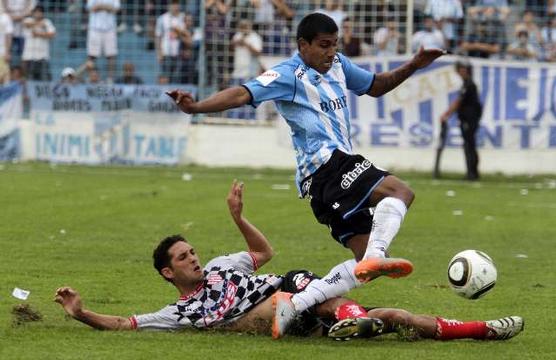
[68,71]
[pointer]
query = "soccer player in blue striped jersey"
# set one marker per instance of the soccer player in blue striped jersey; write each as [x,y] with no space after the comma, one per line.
[310,91]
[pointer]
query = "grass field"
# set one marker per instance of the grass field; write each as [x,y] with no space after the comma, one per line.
[94,229]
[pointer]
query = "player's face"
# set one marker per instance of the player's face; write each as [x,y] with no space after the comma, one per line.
[319,53]
[185,267]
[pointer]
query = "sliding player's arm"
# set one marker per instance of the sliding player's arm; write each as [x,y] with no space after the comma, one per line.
[223,100]
[258,245]
[71,302]
[386,81]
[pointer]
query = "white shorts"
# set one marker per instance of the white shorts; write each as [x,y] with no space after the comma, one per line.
[102,42]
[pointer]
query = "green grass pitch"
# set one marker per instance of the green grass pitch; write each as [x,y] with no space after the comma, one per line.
[94,229]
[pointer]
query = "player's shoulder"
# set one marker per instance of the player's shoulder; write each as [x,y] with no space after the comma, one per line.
[219,263]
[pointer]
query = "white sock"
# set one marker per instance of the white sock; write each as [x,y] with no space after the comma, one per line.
[388,217]
[337,282]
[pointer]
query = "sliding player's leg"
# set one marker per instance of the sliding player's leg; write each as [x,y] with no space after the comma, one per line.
[429,327]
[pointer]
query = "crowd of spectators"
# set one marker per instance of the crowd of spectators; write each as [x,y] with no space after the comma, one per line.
[237,33]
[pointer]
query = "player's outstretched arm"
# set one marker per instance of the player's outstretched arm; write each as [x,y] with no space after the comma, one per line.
[71,302]
[256,241]
[386,81]
[223,100]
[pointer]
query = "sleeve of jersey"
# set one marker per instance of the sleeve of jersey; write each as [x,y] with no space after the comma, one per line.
[242,261]
[277,83]
[164,319]
[358,80]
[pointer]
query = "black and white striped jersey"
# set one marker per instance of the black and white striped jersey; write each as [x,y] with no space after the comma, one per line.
[229,290]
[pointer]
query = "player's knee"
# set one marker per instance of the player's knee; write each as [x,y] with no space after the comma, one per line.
[410,196]
[405,194]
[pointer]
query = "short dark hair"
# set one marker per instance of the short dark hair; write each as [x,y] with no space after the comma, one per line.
[314,24]
[39,8]
[464,63]
[161,257]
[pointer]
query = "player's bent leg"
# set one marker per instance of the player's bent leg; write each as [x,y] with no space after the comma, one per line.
[392,186]
[392,198]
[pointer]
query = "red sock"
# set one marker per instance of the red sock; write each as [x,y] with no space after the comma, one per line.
[350,310]
[454,329]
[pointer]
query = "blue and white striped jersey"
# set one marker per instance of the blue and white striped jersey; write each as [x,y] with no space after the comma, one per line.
[314,106]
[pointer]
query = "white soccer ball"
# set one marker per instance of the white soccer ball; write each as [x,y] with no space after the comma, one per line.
[471,274]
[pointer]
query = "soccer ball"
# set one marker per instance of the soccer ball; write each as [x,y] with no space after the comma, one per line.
[471,274]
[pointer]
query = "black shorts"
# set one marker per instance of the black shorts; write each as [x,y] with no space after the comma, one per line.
[340,191]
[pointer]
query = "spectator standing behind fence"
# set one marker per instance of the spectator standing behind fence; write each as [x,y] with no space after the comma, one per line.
[128,76]
[273,20]
[529,23]
[548,34]
[189,52]
[217,35]
[447,14]
[18,10]
[429,38]
[486,39]
[6,31]
[521,49]
[168,28]
[387,39]
[186,63]
[351,45]
[248,46]
[102,38]
[37,32]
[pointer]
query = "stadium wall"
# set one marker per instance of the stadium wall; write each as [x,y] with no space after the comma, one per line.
[268,146]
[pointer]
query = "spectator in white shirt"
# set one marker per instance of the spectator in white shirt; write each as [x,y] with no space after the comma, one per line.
[447,13]
[387,38]
[102,36]
[6,31]
[169,26]
[37,32]
[248,45]
[522,49]
[429,38]
[17,10]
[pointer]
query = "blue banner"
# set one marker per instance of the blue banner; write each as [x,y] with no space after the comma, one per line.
[51,96]
[519,106]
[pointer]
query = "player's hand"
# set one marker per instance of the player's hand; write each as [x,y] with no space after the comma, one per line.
[183,99]
[444,118]
[70,301]
[235,200]
[424,58]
